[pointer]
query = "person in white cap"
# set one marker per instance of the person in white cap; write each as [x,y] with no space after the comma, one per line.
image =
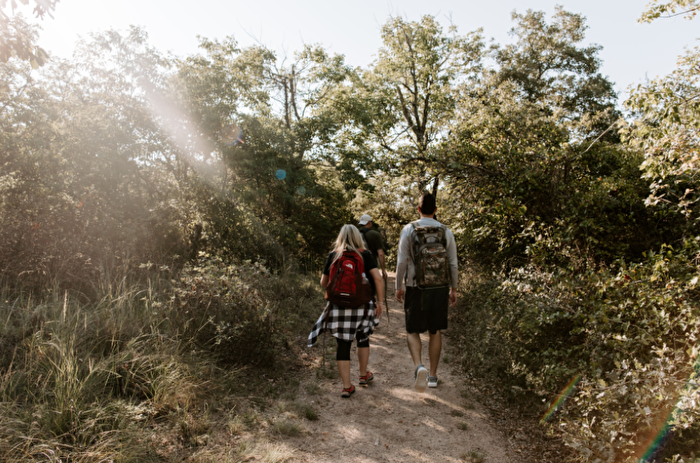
[374,241]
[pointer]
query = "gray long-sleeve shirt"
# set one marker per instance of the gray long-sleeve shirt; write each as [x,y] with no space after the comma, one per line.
[405,268]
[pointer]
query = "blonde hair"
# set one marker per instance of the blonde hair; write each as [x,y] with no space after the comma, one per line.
[349,239]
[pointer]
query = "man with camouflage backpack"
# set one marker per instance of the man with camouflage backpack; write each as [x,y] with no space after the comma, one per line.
[426,283]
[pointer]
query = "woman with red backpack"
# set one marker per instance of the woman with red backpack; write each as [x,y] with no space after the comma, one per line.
[351,279]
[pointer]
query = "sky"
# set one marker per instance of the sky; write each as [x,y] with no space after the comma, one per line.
[632,52]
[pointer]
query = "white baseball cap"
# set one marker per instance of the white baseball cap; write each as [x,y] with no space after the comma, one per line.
[364,219]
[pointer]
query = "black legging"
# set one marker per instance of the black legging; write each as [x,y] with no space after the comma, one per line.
[344,346]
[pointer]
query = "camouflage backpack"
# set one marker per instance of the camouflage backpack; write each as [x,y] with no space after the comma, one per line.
[429,252]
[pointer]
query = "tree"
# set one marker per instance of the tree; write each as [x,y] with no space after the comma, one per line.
[405,101]
[17,38]
[279,167]
[656,10]
[41,7]
[551,68]
[667,131]
[667,127]
[536,155]
[84,187]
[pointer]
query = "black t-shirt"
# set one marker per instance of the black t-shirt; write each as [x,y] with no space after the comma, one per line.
[367,259]
[373,239]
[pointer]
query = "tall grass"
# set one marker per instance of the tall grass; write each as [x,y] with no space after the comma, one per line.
[82,379]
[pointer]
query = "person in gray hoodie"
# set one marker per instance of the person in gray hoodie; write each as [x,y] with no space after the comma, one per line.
[425,309]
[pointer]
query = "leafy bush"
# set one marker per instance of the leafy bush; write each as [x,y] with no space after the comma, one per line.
[220,307]
[237,310]
[630,330]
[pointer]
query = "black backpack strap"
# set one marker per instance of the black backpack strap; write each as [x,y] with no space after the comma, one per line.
[364,234]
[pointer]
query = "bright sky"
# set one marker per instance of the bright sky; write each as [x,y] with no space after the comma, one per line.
[631,51]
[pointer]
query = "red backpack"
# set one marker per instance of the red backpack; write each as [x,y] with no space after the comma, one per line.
[349,286]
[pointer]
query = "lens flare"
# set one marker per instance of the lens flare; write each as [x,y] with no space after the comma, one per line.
[561,398]
[281,174]
[665,428]
[658,441]
[301,191]
[231,135]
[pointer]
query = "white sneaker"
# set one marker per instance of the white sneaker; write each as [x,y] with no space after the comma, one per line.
[432,381]
[421,379]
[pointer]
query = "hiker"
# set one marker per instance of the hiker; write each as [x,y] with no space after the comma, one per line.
[429,286]
[353,320]
[374,241]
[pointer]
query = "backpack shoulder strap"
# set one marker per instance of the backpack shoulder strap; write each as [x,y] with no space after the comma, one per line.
[413,254]
[444,234]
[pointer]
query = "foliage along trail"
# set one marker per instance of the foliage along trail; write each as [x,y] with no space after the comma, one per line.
[388,420]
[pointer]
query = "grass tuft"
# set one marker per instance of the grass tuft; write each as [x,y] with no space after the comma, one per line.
[310,413]
[287,428]
[474,456]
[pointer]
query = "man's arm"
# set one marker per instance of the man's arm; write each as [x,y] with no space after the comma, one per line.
[454,274]
[379,286]
[403,254]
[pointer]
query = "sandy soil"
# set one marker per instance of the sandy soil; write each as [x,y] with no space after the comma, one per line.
[388,421]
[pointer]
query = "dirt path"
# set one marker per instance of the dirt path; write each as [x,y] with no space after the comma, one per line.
[388,421]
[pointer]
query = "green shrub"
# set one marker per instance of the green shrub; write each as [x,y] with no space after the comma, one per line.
[238,311]
[629,330]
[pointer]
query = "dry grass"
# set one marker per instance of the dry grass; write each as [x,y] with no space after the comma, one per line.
[85,382]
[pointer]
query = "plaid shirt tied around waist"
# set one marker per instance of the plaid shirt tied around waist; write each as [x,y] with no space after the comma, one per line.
[344,323]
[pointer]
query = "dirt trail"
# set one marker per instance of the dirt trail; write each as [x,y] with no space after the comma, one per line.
[388,421]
